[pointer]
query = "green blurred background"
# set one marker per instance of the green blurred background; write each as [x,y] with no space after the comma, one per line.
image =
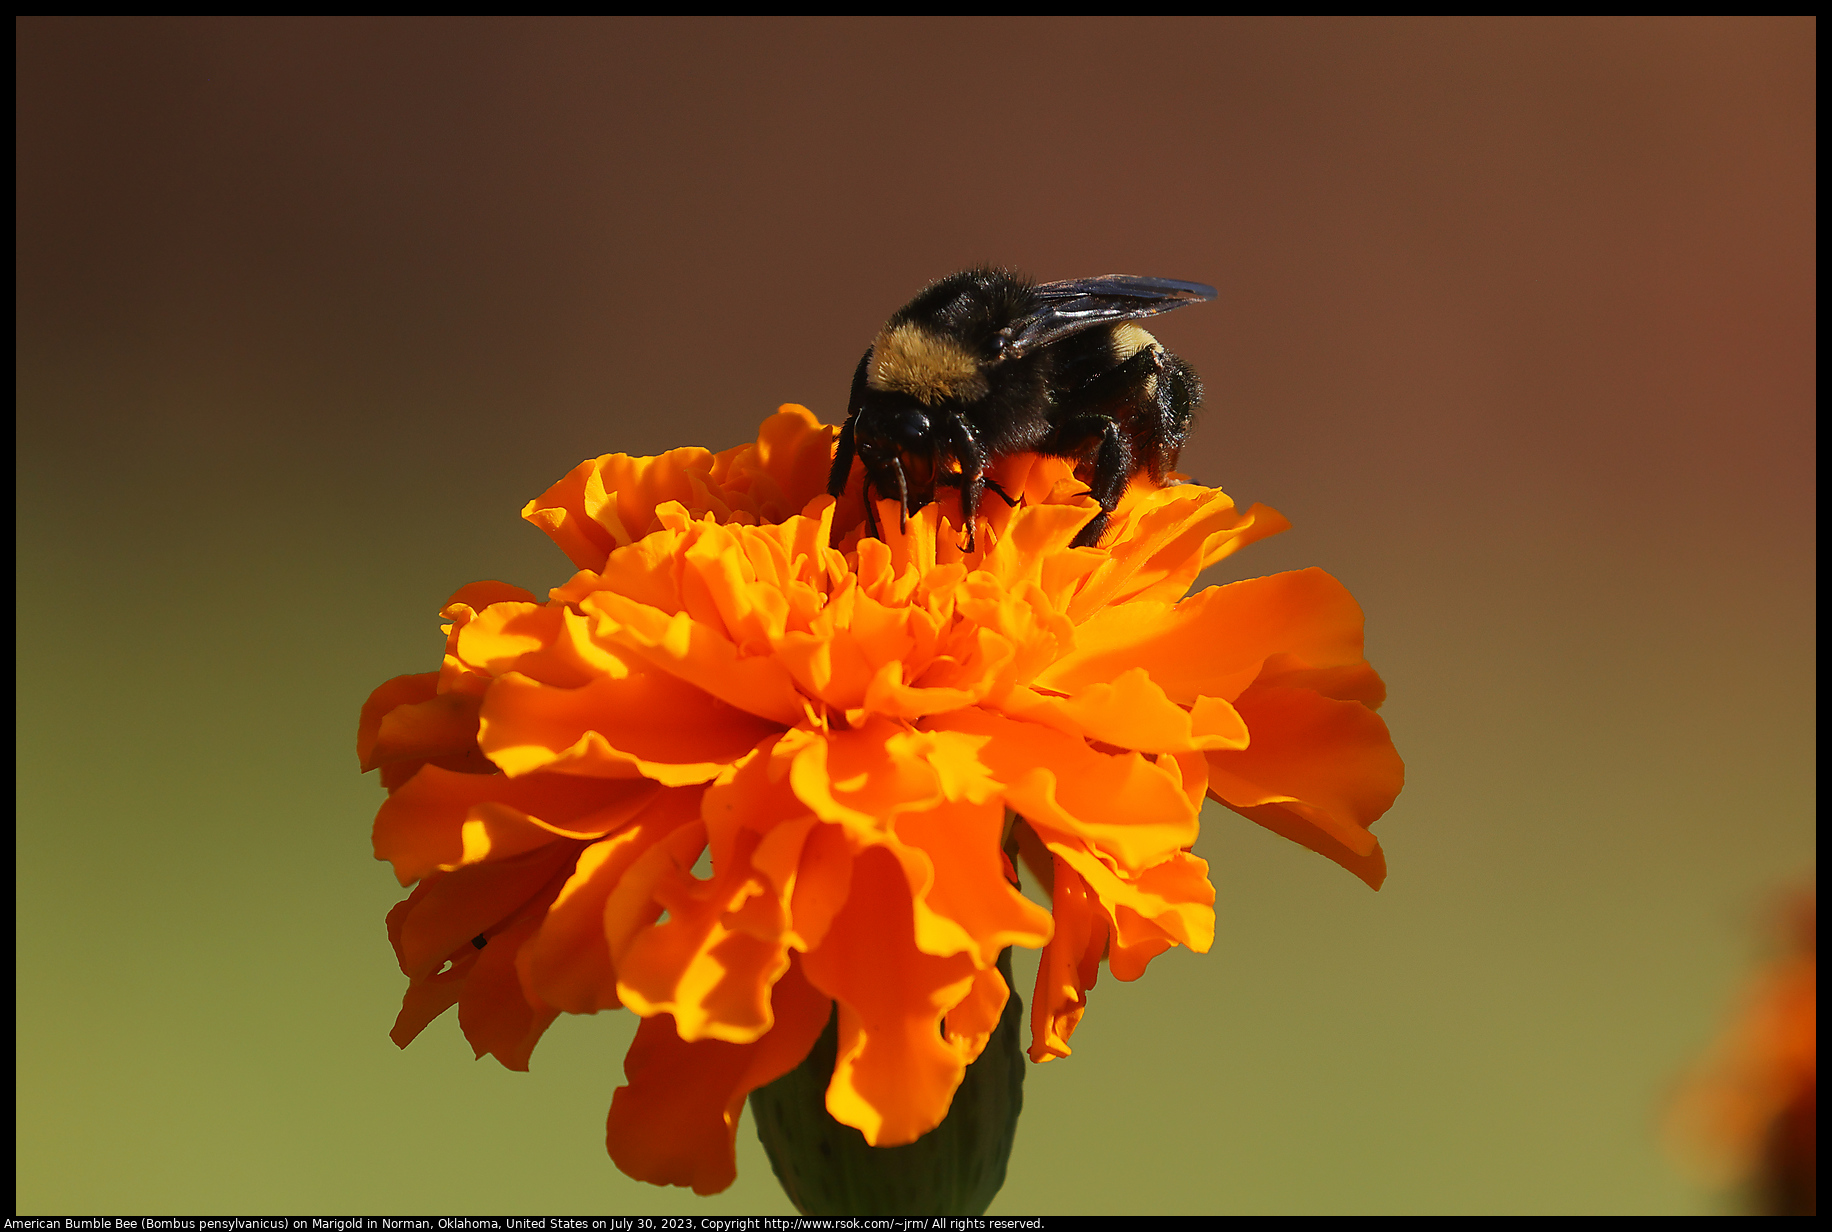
[1516,325]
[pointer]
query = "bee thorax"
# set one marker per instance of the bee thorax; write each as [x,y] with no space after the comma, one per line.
[909,360]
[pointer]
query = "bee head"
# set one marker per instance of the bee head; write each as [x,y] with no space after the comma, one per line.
[897,443]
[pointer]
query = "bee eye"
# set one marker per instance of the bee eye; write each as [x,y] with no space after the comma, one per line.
[910,431]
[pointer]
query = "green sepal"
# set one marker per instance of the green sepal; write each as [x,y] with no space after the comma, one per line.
[956,1168]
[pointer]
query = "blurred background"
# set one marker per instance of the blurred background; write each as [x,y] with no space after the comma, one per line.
[1516,325]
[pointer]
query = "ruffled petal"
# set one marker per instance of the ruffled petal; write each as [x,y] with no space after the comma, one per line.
[1319,772]
[1133,810]
[1214,643]
[1171,535]
[400,691]
[546,642]
[895,1073]
[713,978]
[676,1120]
[1069,966]
[861,779]
[646,723]
[440,819]
[1170,903]
[432,991]
[493,1009]
[568,963]
[955,872]
[610,502]
[969,1025]
[1133,712]
[698,654]
[784,470]
[476,901]
[455,675]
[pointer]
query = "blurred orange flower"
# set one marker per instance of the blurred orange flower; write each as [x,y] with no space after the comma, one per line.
[857,731]
[1749,1115]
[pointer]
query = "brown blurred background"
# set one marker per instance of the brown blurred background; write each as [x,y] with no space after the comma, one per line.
[1516,325]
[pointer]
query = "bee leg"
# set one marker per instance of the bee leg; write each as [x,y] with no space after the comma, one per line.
[842,461]
[1011,502]
[966,448]
[1155,395]
[1112,464]
[871,510]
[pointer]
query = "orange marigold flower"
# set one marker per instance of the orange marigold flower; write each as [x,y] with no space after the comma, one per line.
[856,730]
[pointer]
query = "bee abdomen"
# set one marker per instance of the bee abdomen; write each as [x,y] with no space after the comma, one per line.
[1129,340]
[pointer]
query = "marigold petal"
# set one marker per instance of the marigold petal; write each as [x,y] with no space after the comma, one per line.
[1348,682]
[423,825]
[431,991]
[1318,771]
[698,654]
[455,676]
[895,1074]
[712,978]
[861,778]
[568,962]
[675,1122]
[808,861]
[823,884]
[1132,712]
[442,730]
[429,995]
[1214,643]
[1069,965]
[720,587]
[476,596]
[830,666]
[1030,632]
[611,502]
[1191,770]
[888,695]
[389,696]
[567,514]
[1035,533]
[1172,535]
[647,723]
[631,905]
[1147,940]
[969,1025]
[475,901]
[1293,822]
[784,470]
[493,1009]
[644,572]
[1170,901]
[1123,803]
[754,791]
[962,900]
[547,642]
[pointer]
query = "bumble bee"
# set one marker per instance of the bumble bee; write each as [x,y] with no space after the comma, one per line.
[985,363]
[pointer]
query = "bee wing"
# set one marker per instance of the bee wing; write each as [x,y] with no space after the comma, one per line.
[1064,308]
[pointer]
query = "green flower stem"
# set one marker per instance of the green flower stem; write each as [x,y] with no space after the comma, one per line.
[956,1168]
